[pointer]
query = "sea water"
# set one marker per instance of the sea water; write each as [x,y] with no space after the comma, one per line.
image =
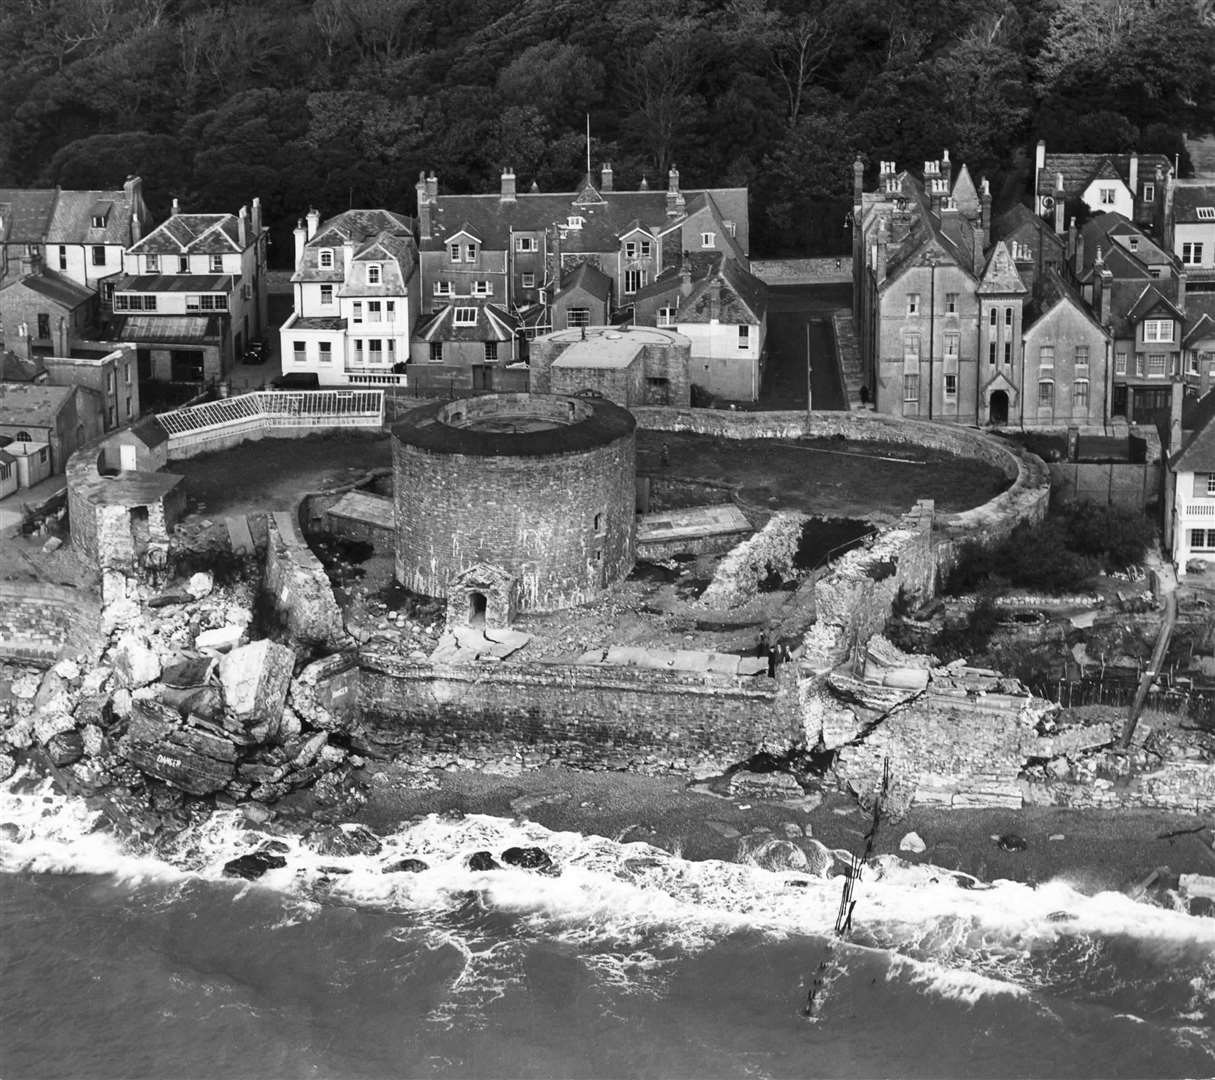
[628,962]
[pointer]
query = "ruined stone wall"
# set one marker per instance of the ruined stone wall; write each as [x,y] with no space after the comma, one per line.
[601,718]
[771,550]
[295,583]
[41,623]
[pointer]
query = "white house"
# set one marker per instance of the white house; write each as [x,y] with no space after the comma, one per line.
[1134,185]
[192,294]
[356,287]
[1191,495]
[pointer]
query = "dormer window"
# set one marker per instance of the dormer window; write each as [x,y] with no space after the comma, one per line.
[483,288]
[453,252]
[465,316]
[373,273]
[1133,242]
[574,221]
[1205,213]
[1157,329]
[708,239]
[1149,192]
[183,264]
[470,252]
[151,264]
[98,221]
[442,288]
[525,243]
[326,258]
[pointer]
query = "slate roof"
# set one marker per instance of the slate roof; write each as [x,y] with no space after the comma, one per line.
[1019,222]
[1199,326]
[1150,300]
[15,368]
[493,323]
[57,287]
[1049,290]
[25,215]
[604,223]
[743,297]
[376,234]
[72,220]
[588,278]
[1000,275]
[195,234]
[965,194]
[150,432]
[1199,454]
[35,404]
[1188,196]
[1079,170]
[925,232]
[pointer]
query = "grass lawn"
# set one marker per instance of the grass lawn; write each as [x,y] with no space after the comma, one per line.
[831,477]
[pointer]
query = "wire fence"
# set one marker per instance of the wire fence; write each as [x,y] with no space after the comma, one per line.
[1197,703]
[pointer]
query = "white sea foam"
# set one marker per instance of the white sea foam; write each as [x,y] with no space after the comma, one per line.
[626,907]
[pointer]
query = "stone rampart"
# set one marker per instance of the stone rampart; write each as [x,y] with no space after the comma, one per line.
[770,551]
[533,714]
[295,583]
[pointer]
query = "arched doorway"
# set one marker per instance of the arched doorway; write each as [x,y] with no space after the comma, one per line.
[997,407]
[476,609]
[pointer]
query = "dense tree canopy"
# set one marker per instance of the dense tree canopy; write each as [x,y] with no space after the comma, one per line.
[341,102]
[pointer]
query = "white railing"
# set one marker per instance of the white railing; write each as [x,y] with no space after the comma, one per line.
[1198,509]
[371,376]
[276,408]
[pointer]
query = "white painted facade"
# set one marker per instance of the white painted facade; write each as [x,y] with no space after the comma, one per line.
[1193,519]
[726,357]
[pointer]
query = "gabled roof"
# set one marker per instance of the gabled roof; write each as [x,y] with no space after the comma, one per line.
[924,233]
[965,195]
[195,234]
[1198,455]
[56,287]
[369,231]
[72,221]
[1199,328]
[494,219]
[493,324]
[1000,275]
[150,432]
[1188,196]
[25,215]
[1051,290]
[588,278]
[1080,170]
[1020,223]
[1151,300]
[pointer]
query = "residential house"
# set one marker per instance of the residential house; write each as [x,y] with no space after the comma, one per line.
[1190,482]
[515,251]
[64,418]
[356,292]
[9,480]
[80,234]
[723,311]
[1191,228]
[1134,185]
[191,295]
[43,311]
[583,298]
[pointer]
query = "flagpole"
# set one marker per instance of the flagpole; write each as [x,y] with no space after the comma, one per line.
[588,144]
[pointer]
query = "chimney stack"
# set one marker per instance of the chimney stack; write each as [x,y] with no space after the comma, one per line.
[1060,204]
[879,260]
[1181,289]
[1175,403]
[62,337]
[946,169]
[1104,289]
[508,186]
[242,227]
[347,257]
[256,220]
[985,211]
[605,175]
[858,179]
[423,206]
[176,208]
[715,300]
[685,280]
[1132,179]
[674,197]
[432,187]
[301,235]
[314,221]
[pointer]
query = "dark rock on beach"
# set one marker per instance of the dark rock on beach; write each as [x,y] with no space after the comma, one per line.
[405,866]
[254,865]
[483,860]
[528,858]
[334,840]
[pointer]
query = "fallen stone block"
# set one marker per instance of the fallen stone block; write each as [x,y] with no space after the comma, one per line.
[151,721]
[255,679]
[1009,798]
[134,662]
[188,672]
[174,764]
[200,584]
[221,639]
[65,748]
[1198,885]
[203,742]
[48,725]
[912,842]
[770,785]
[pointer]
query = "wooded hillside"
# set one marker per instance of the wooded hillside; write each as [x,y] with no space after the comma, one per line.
[341,102]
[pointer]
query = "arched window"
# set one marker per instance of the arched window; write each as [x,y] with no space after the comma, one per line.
[24,436]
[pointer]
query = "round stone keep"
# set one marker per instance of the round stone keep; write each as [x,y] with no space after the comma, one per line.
[537,489]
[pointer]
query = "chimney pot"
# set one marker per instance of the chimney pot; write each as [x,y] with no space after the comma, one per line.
[314,221]
[508,186]
[176,208]
[605,174]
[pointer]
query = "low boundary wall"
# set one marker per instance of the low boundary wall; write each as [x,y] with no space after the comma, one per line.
[825,270]
[41,623]
[1025,500]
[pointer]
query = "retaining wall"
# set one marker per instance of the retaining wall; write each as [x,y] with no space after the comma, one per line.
[588,717]
[826,270]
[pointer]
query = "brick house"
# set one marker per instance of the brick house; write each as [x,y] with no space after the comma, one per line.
[191,295]
[80,234]
[1133,185]
[356,298]
[515,250]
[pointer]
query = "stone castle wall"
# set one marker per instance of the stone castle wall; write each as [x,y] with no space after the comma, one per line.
[41,623]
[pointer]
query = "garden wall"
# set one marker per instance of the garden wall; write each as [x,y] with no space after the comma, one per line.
[41,623]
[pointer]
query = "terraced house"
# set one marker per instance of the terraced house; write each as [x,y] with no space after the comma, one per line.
[500,268]
[356,298]
[1137,186]
[192,294]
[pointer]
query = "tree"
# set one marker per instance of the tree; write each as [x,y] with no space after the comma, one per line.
[657,86]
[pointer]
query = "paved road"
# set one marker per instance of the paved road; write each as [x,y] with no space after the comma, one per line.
[799,317]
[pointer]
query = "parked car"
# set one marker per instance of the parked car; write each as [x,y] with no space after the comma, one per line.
[255,353]
[296,380]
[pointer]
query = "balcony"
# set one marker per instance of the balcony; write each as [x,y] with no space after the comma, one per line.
[362,375]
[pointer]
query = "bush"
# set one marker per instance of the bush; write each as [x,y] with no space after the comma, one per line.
[1116,538]
[1030,557]
[971,637]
